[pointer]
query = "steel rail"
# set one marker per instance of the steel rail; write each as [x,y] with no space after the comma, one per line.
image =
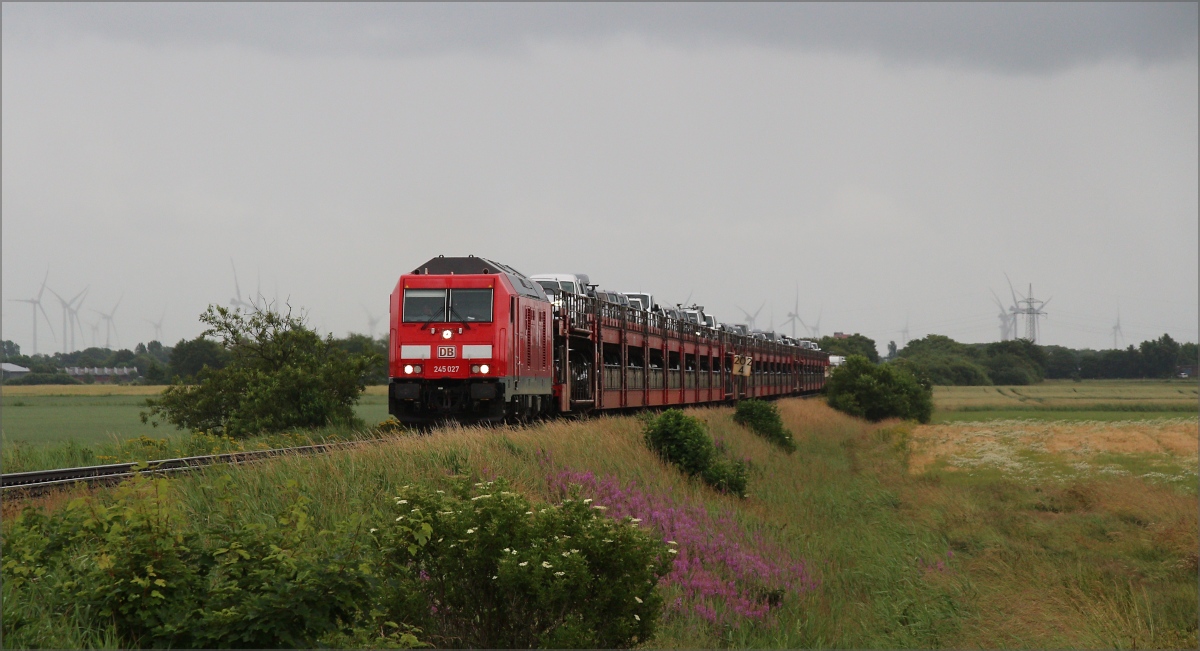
[39,481]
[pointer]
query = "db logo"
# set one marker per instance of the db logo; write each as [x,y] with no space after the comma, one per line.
[446,351]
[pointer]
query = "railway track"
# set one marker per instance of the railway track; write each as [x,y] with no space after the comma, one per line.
[36,482]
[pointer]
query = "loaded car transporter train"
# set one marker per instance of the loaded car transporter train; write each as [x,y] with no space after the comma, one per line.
[472,340]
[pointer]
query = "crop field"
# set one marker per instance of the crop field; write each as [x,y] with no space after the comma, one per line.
[95,414]
[1091,400]
[1022,534]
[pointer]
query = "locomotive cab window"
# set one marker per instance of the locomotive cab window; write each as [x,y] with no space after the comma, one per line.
[424,305]
[471,305]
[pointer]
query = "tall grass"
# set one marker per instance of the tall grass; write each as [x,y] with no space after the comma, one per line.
[835,545]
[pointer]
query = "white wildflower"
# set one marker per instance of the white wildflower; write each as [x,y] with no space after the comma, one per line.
[672,542]
[599,508]
[402,502]
[470,531]
[588,501]
[637,618]
[442,492]
[559,573]
[574,551]
[635,519]
[566,554]
[506,550]
[523,563]
[495,577]
[638,599]
[546,565]
[373,530]
[673,551]
[529,513]
[399,518]
[479,497]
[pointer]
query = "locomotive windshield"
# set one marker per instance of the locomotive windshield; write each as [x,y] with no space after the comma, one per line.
[447,306]
[424,305]
[473,305]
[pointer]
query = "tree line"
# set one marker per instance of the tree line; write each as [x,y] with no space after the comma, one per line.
[159,364]
[945,361]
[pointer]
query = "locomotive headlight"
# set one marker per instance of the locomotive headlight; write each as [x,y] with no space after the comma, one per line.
[446,334]
[408,369]
[483,369]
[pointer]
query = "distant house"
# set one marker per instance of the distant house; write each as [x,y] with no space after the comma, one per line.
[1185,370]
[101,374]
[13,371]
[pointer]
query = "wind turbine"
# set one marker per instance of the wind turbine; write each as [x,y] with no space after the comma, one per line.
[904,333]
[36,304]
[751,317]
[76,323]
[109,325]
[1014,310]
[237,301]
[1006,319]
[371,322]
[68,309]
[1116,330]
[158,325]
[794,315]
[815,331]
[94,327]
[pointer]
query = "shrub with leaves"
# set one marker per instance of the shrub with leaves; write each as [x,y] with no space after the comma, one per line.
[280,375]
[682,440]
[130,560]
[482,567]
[763,418]
[878,391]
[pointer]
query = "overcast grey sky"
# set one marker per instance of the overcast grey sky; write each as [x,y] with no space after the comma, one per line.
[894,161]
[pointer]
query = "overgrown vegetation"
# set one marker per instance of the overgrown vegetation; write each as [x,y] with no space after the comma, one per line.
[878,391]
[684,441]
[839,545]
[480,567]
[763,418]
[280,375]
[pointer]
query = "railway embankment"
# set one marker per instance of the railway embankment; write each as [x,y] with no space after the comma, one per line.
[841,542]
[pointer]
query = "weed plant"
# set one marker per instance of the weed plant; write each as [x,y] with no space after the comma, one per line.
[763,418]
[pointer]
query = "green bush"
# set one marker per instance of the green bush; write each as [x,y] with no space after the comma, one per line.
[726,475]
[131,561]
[280,376]
[682,440]
[876,392]
[482,567]
[763,417]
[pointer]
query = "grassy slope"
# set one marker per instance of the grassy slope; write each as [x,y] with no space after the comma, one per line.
[936,560]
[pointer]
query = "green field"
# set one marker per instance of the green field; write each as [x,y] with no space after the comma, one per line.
[1101,400]
[86,419]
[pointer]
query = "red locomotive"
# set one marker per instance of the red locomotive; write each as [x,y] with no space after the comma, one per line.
[473,340]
